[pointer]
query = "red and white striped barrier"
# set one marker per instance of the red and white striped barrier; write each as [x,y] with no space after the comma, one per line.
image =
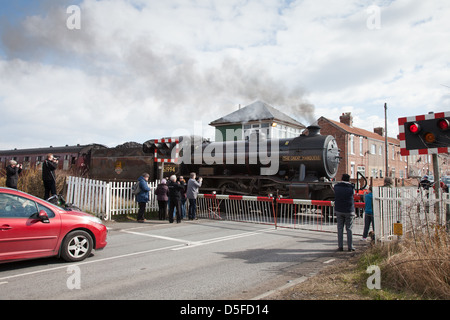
[233,197]
[280,212]
[167,140]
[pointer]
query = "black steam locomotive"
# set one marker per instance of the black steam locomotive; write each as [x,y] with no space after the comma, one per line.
[300,167]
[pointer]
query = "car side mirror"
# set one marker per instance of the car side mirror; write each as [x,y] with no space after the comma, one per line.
[43,216]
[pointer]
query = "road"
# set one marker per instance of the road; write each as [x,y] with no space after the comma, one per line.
[198,260]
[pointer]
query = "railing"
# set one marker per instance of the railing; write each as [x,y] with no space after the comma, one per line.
[106,199]
[281,213]
[411,207]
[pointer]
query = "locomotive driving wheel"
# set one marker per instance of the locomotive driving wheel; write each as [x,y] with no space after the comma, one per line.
[230,187]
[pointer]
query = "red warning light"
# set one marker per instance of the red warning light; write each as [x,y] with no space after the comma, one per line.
[443,124]
[414,128]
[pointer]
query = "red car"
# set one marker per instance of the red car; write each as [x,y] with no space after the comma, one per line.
[33,228]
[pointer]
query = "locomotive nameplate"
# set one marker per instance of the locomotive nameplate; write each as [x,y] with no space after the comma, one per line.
[301,158]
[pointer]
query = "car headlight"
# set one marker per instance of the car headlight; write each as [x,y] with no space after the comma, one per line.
[94,219]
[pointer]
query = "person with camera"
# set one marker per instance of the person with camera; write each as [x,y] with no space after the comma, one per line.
[191,193]
[12,174]
[48,175]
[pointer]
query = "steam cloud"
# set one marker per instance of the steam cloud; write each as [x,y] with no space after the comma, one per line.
[137,67]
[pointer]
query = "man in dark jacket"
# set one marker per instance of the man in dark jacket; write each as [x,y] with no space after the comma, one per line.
[143,196]
[344,207]
[48,175]
[12,174]
[175,189]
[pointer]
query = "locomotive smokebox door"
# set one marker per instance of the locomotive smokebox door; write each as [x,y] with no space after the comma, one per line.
[299,191]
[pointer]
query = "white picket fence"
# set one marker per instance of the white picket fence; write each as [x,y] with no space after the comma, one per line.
[106,199]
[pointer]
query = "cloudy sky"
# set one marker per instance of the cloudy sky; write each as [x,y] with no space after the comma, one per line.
[112,71]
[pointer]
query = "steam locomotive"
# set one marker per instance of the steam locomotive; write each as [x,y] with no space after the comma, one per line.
[299,167]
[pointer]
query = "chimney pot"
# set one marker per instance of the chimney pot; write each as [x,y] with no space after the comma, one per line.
[379,130]
[346,118]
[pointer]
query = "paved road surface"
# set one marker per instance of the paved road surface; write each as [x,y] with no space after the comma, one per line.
[190,261]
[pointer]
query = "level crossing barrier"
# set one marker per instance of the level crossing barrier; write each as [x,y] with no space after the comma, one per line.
[410,207]
[279,212]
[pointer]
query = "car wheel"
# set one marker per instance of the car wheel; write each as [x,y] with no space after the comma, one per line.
[77,245]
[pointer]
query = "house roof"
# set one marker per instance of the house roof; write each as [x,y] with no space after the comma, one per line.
[360,132]
[256,111]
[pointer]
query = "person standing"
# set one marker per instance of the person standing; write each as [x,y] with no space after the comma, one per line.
[12,174]
[425,184]
[48,175]
[344,206]
[191,193]
[143,196]
[183,197]
[368,214]
[175,188]
[162,195]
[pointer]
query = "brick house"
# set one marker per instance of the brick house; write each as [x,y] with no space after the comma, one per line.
[364,151]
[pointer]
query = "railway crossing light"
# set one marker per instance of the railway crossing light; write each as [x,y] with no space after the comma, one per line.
[426,134]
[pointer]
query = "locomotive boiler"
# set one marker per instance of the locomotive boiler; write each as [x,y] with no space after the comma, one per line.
[299,167]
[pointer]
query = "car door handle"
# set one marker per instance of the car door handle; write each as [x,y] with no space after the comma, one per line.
[5,227]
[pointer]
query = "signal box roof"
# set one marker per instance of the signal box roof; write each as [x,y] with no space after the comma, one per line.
[257,111]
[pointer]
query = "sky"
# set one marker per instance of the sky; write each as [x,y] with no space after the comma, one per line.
[114,71]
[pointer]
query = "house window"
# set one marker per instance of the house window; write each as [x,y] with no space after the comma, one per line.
[373,149]
[352,144]
[362,170]
[361,146]
[374,173]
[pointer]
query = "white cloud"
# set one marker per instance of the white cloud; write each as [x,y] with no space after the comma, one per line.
[139,70]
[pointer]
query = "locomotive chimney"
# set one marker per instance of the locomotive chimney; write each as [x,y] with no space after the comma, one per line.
[313,131]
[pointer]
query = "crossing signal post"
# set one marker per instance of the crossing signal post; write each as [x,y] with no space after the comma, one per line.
[425,134]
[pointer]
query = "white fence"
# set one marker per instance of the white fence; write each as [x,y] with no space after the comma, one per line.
[411,207]
[106,198]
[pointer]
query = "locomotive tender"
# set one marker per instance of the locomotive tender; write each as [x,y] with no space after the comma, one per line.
[299,167]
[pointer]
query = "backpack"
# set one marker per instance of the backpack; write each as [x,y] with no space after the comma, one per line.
[135,189]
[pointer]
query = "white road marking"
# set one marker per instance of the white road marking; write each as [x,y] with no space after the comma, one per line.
[191,244]
[158,237]
[89,262]
[186,244]
[226,238]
